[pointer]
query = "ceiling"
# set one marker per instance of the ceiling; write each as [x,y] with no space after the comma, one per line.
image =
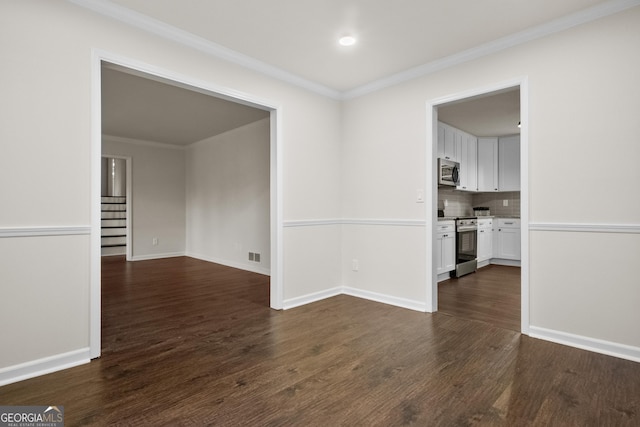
[494,114]
[300,36]
[296,40]
[136,107]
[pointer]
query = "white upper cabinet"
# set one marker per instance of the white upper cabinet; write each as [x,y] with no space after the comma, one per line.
[467,150]
[447,142]
[487,164]
[509,163]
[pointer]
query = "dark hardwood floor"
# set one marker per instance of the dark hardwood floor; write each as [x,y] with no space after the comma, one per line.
[186,342]
[492,295]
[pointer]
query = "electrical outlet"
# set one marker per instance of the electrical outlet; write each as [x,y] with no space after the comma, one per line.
[505,202]
[355,265]
[446,203]
[419,195]
[155,241]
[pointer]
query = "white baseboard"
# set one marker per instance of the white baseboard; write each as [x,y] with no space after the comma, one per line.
[46,365]
[507,262]
[252,267]
[587,343]
[156,256]
[386,299]
[483,263]
[313,297]
[358,293]
[444,276]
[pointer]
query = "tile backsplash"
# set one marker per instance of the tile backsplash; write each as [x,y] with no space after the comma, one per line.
[496,201]
[461,203]
[458,203]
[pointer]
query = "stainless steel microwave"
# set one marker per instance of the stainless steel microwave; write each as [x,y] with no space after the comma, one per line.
[448,172]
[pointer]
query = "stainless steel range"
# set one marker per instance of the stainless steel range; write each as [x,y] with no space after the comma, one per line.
[466,245]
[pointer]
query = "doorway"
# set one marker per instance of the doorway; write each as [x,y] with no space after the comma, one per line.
[466,201]
[115,206]
[205,88]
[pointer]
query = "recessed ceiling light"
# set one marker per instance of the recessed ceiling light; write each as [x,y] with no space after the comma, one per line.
[347,40]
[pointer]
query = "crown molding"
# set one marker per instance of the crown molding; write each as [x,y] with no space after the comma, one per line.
[551,27]
[159,28]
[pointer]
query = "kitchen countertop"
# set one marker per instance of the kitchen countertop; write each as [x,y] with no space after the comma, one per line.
[452,218]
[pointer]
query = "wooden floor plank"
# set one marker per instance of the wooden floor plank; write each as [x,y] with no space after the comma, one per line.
[492,295]
[187,342]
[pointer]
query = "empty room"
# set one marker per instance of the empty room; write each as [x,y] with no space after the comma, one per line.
[340,275]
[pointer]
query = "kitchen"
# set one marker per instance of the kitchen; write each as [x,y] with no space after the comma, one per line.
[478,226]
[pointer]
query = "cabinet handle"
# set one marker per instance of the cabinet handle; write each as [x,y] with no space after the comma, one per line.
[508,223]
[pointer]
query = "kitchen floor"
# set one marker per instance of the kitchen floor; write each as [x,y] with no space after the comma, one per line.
[491,295]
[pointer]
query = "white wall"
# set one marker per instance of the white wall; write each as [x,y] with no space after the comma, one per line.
[228,197]
[157,199]
[46,131]
[584,103]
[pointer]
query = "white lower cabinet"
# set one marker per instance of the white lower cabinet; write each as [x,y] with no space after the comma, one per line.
[485,239]
[507,239]
[445,247]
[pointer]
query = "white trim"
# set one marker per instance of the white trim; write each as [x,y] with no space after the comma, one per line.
[161,29]
[143,142]
[45,231]
[386,299]
[387,222]
[205,87]
[310,298]
[525,255]
[46,365]
[358,293]
[507,262]
[157,256]
[609,348]
[276,209]
[355,221]
[169,32]
[234,264]
[95,273]
[557,25]
[312,222]
[586,228]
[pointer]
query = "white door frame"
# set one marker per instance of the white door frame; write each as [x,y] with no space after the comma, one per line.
[431,183]
[205,87]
